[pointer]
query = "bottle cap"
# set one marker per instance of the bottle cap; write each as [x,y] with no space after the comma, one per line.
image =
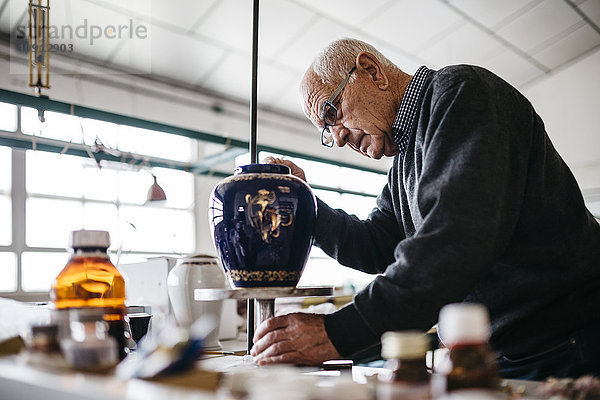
[404,345]
[464,323]
[88,238]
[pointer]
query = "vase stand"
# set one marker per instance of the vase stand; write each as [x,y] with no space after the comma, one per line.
[264,297]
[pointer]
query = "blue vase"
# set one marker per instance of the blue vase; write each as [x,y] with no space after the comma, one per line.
[262,221]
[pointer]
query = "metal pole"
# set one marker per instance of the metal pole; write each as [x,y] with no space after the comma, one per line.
[266,309]
[249,324]
[253,100]
[253,152]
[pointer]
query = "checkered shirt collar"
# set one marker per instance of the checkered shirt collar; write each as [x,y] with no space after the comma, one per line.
[408,109]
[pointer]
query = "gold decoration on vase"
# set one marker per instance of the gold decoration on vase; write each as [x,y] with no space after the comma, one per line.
[239,275]
[265,216]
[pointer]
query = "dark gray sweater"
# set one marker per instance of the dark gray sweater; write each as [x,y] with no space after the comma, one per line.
[481,209]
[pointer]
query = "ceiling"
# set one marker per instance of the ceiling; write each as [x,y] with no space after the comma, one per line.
[206,45]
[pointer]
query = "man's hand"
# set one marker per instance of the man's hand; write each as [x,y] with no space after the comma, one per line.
[293,339]
[296,170]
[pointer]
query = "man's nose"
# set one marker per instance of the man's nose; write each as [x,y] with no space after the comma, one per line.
[340,134]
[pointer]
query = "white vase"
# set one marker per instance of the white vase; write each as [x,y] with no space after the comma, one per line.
[196,272]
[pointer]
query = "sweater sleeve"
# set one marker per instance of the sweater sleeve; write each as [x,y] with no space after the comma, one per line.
[469,194]
[364,245]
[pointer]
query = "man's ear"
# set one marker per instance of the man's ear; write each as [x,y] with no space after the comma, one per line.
[368,62]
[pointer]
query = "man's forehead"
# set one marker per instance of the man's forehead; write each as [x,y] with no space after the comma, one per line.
[315,92]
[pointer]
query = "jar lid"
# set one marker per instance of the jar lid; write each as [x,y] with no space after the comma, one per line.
[89,238]
[262,169]
[200,259]
[464,323]
[406,344]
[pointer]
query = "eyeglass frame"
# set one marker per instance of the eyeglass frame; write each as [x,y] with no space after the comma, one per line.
[329,103]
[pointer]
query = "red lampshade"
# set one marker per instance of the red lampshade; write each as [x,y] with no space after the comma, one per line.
[156,193]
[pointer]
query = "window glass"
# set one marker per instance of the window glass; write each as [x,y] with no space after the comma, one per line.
[331,198]
[38,270]
[156,144]
[106,132]
[320,173]
[326,271]
[8,117]
[361,181]
[56,126]
[104,217]
[5,168]
[361,206]
[244,159]
[317,173]
[134,185]
[178,187]
[8,272]
[99,183]
[55,174]
[6,218]
[49,221]
[157,229]
[30,123]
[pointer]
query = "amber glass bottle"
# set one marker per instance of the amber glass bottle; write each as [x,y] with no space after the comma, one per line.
[405,354]
[465,330]
[91,280]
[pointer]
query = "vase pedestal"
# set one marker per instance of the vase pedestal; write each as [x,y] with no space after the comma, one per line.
[265,298]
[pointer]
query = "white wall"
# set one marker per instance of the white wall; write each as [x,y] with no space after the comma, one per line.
[569,104]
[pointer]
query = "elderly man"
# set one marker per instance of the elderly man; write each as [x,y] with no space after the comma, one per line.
[479,207]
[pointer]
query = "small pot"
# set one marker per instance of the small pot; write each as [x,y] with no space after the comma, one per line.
[196,272]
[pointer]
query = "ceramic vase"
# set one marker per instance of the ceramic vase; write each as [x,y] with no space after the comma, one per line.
[262,221]
[196,272]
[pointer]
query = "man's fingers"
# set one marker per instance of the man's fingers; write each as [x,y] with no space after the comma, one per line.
[270,325]
[277,349]
[296,171]
[268,339]
[292,357]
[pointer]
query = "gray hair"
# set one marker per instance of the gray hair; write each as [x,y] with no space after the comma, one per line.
[338,57]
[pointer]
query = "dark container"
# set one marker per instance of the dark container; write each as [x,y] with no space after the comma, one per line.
[262,221]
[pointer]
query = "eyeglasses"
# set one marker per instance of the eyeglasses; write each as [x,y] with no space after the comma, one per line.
[329,115]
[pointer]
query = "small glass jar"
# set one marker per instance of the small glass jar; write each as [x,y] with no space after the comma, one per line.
[470,364]
[408,377]
[44,339]
[89,347]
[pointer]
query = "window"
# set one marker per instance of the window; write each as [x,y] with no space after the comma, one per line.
[8,272]
[5,200]
[156,144]
[6,218]
[8,117]
[38,269]
[56,126]
[49,221]
[61,193]
[138,141]
[5,169]
[64,193]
